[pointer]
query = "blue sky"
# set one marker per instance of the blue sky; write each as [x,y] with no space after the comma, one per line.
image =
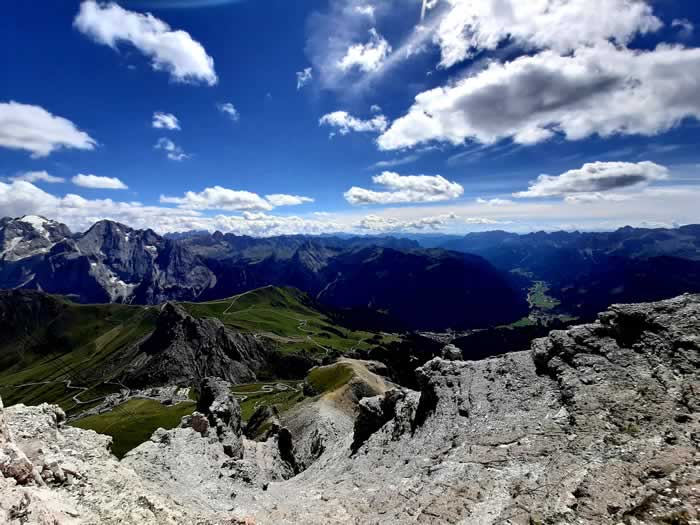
[463,110]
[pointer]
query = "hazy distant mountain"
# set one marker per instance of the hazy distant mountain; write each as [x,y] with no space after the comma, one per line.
[589,271]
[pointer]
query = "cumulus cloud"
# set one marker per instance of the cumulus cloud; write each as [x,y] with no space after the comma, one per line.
[344,43]
[405,189]
[23,198]
[466,28]
[218,198]
[601,90]
[33,129]
[165,121]
[174,51]
[366,10]
[304,77]
[229,110]
[264,225]
[381,224]
[173,151]
[281,199]
[345,123]
[594,178]
[37,176]
[96,182]
[368,56]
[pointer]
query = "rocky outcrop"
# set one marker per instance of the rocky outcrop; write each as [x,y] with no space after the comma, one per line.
[207,463]
[224,414]
[184,350]
[80,481]
[595,425]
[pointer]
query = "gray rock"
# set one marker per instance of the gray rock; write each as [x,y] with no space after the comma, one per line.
[597,424]
[183,350]
[451,353]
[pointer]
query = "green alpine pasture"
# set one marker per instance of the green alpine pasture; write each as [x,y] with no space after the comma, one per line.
[133,422]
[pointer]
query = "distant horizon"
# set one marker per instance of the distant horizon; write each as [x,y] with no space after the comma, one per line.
[397,235]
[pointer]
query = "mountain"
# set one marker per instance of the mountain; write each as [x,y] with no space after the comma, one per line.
[586,272]
[113,263]
[109,262]
[462,290]
[597,424]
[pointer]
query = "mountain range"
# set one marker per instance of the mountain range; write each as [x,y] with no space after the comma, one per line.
[476,281]
[112,263]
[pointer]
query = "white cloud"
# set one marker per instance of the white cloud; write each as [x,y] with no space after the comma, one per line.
[494,202]
[368,56]
[218,198]
[685,27]
[37,176]
[601,90]
[347,123]
[33,129]
[229,110]
[383,224]
[304,77]
[174,51]
[165,121]
[264,225]
[594,178]
[391,163]
[173,151]
[660,205]
[483,221]
[375,108]
[96,182]
[280,199]
[366,10]
[561,25]
[405,189]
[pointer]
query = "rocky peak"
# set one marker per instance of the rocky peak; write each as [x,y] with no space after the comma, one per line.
[185,350]
[28,236]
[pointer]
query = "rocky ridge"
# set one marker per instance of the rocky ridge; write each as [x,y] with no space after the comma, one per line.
[184,350]
[597,424]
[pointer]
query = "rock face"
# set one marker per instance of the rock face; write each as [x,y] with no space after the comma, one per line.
[184,350]
[80,481]
[110,262]
[598,424]
[595,425]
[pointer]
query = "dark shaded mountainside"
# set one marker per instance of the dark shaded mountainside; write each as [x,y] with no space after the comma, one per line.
[598,424]
[112,263]
[587,272]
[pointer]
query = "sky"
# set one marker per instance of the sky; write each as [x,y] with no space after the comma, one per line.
[267,117]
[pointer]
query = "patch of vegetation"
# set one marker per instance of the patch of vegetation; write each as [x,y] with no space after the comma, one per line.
[76,354]
[251,396]
[328,378]
[520,323]
[289,317]
[538,297]
[133,422]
